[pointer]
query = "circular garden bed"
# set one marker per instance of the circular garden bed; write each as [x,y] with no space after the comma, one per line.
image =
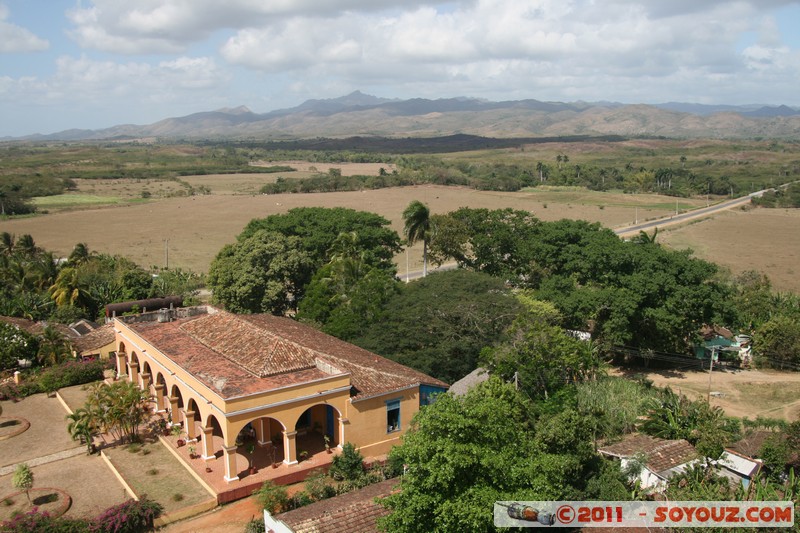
[11,426]
[53,501]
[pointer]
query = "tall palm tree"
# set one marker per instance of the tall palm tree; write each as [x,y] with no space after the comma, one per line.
[417,219]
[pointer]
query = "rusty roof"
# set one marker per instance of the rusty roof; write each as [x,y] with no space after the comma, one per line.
[236,355]
[354,512]
[661,454]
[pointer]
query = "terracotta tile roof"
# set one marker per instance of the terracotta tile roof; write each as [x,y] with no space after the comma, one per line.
[371,374]
[257,349]
[661,454]
[354,512]
[95,339]
[227,351]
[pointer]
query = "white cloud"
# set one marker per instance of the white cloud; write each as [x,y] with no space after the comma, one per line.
[80,79]
[14,38]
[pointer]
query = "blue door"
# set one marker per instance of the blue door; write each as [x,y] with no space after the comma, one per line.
[329,429]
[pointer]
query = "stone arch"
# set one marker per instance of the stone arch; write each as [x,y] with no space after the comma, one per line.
[160,385]
[317,426]
[134,367]
[193,420]
[147,375]
[121,347]
[262,442]
[176,404]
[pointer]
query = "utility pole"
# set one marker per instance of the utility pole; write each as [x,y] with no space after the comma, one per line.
[166,252]
[637,215]
[711,369]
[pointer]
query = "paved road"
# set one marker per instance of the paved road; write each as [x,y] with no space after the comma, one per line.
[688,215]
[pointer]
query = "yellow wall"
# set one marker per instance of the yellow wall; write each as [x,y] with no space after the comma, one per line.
[367,421]
[366,425]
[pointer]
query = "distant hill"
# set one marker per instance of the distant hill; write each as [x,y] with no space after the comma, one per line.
[359,114]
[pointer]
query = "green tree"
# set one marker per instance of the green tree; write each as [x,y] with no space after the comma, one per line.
[54,348]
[348,465]
[271,497]
[23,479]
[464,453]
[539,354]
[318,227]
[118,409]
[777,343]
[439,324]
[417,220]
[16,344]
[263,273]
[674,416]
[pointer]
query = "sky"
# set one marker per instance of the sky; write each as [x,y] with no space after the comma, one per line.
[97,63]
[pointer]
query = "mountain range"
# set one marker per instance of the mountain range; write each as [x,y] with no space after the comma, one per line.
[366,115]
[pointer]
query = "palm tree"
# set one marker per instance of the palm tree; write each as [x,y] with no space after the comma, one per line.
[417,219]
[80,254]
[53,347]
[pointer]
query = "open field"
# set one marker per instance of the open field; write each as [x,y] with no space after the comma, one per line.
[241,183]
[744,393]
[198,226]
[767,240]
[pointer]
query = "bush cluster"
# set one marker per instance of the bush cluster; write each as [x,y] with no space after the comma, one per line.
[53,378]
[128,517]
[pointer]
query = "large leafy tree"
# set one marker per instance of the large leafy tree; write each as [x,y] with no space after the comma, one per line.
[346,296]
[262,273]
[439,324]
[464,453]
[318,227]
[417,227]
[539,354]
[630,293]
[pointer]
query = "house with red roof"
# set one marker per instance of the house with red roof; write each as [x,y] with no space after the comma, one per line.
[290,388]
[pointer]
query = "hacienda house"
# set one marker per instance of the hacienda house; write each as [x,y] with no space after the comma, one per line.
[224,377]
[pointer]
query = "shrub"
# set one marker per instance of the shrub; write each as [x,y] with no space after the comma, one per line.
[129,517]
[300,499]
[178,497]
[348,465]
[256,525]
[318,487]
[36,522]
[271,497]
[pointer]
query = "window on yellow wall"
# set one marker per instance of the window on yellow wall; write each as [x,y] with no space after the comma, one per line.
[392,416]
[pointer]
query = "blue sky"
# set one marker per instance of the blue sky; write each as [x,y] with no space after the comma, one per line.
[97,63]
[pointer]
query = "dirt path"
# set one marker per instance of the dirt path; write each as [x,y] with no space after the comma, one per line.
[742,393]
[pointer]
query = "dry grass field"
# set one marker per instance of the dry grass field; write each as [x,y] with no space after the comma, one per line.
[767,240]
[111,216]
[347,169]
[742,393]
[198,226]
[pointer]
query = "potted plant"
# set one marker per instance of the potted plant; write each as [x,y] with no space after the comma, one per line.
[208,469]
[162,427]
[328,444]
[303,455]
[192,454]
[176,432]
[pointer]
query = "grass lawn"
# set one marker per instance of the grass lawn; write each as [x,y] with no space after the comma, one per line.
[150,469]
[62,201]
